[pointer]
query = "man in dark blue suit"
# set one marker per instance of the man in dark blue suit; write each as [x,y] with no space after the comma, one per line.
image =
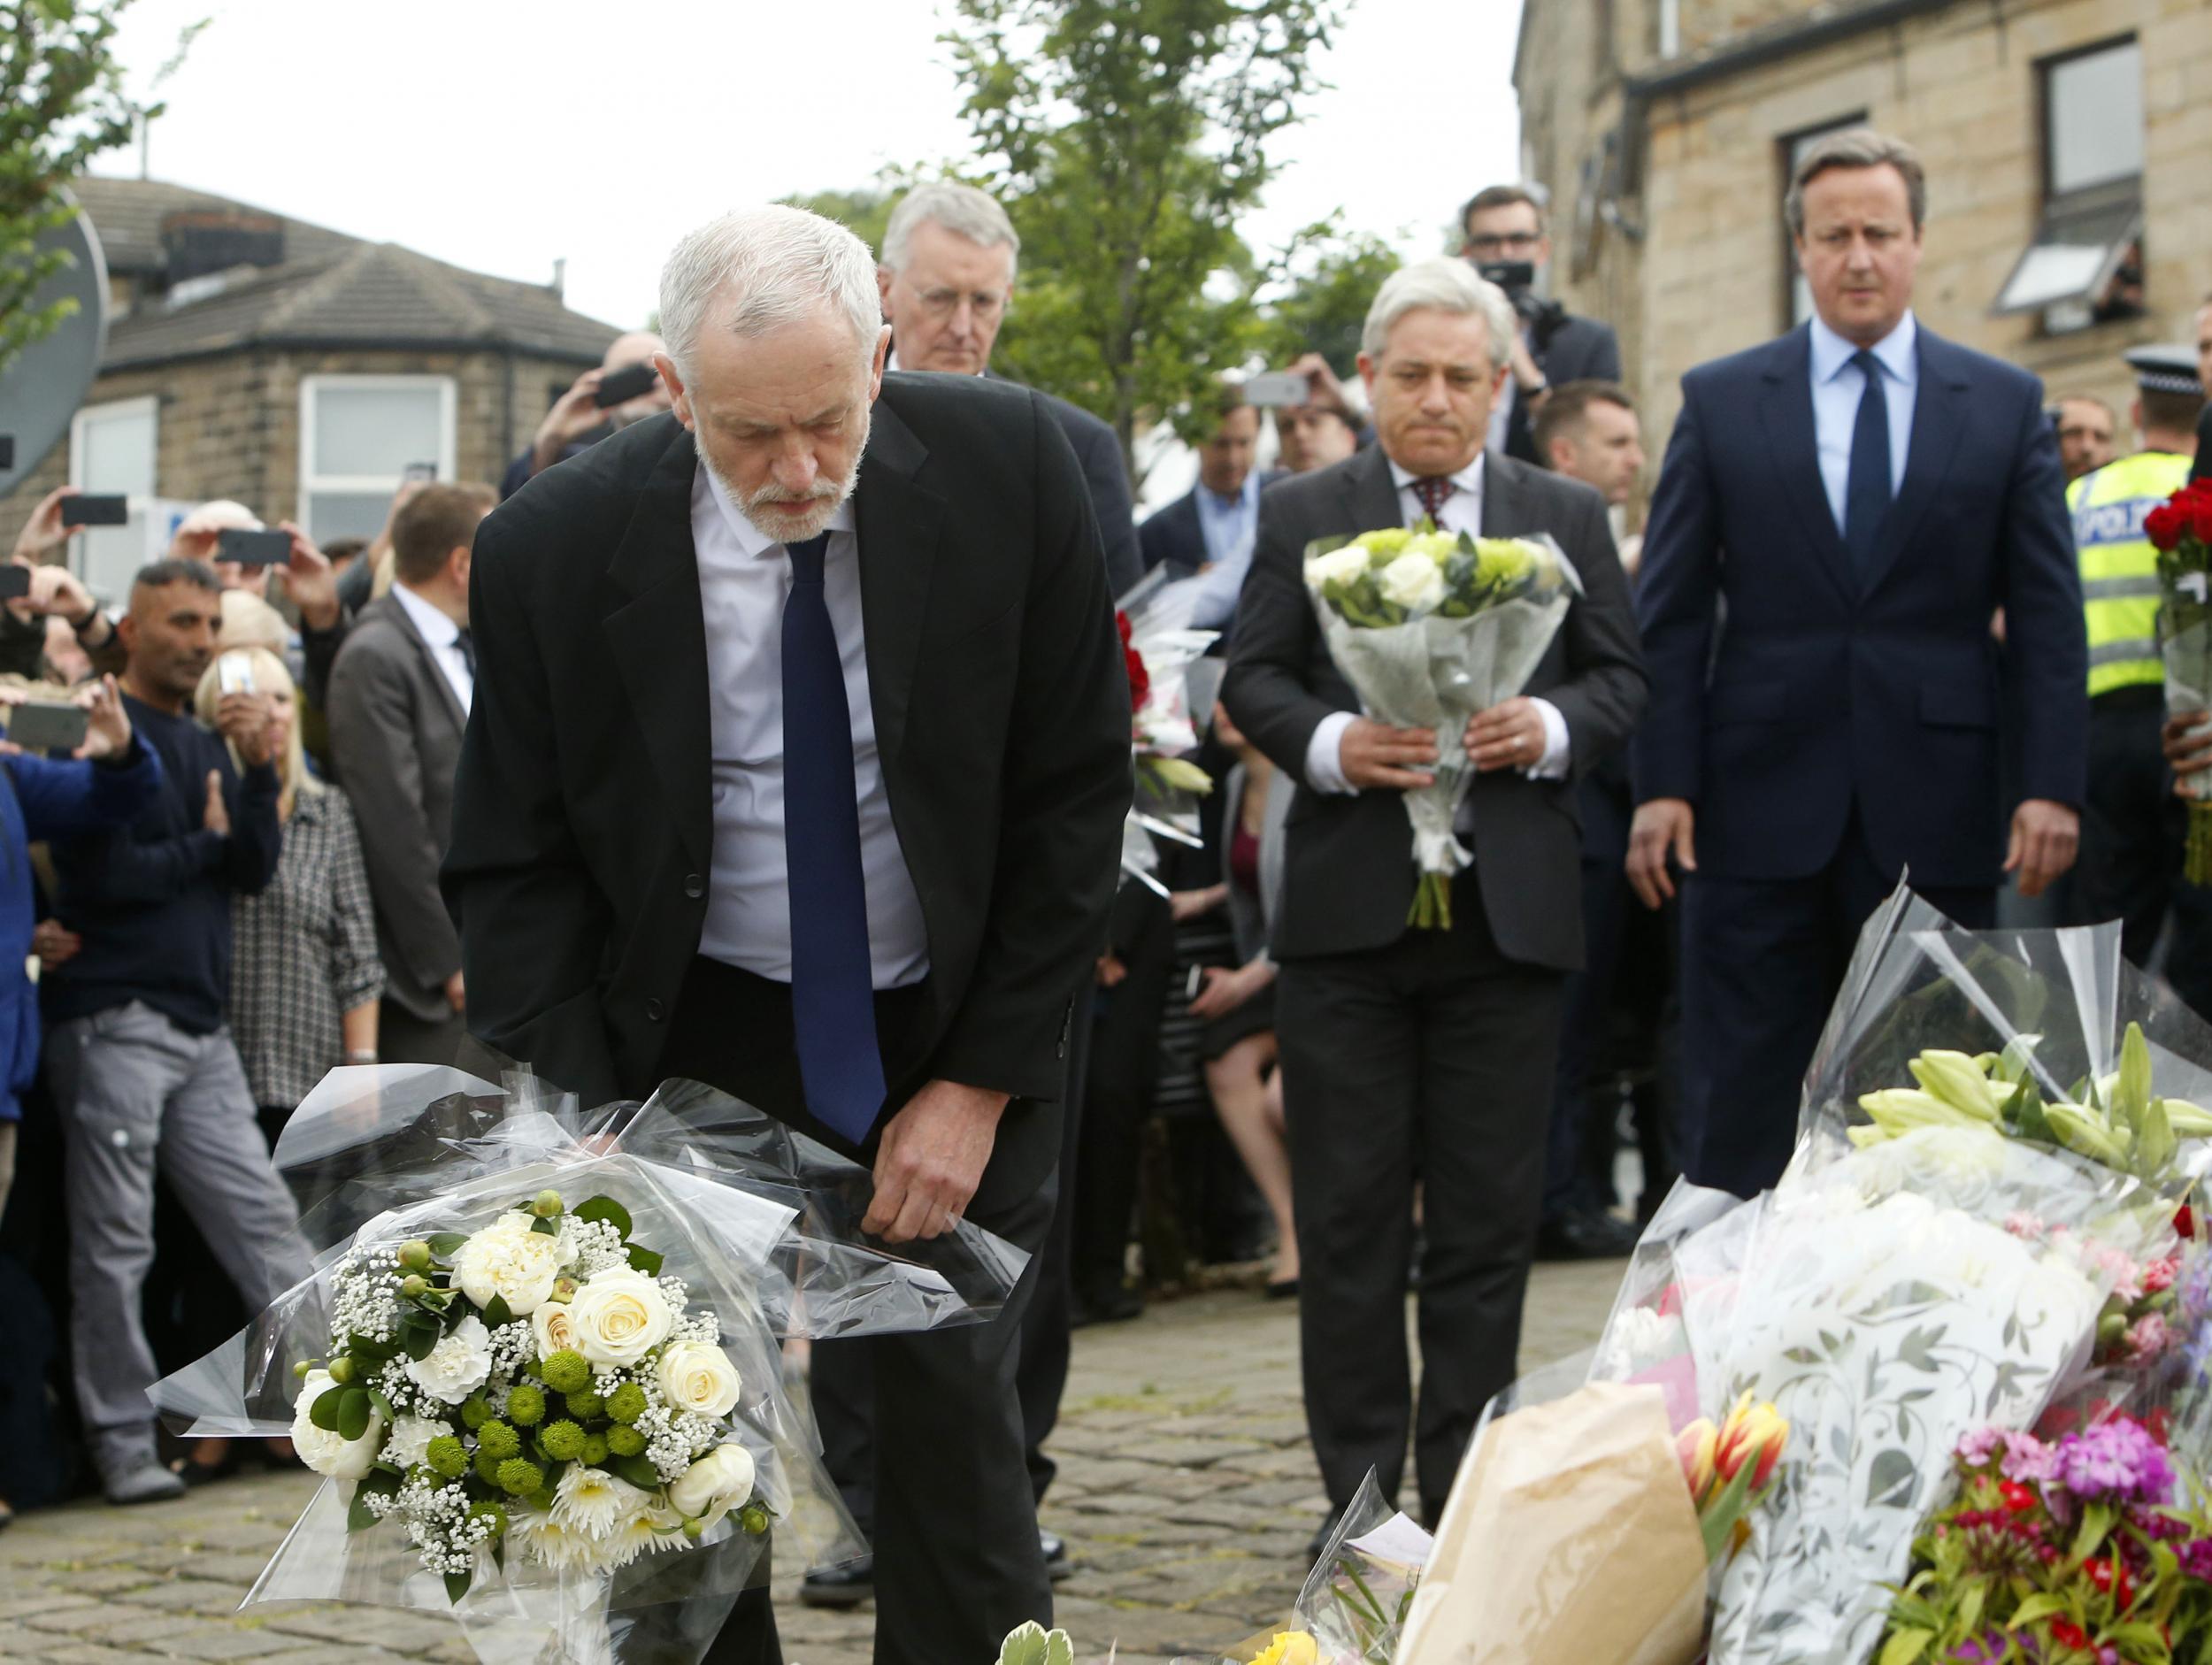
[1846,509]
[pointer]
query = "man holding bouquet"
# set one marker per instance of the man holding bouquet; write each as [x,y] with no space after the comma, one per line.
[1419,1053]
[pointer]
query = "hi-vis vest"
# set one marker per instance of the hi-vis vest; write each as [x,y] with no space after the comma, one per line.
[2119,568]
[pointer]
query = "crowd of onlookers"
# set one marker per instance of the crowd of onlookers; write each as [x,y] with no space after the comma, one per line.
[231,886]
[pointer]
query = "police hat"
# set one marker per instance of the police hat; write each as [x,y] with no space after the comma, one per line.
[2168,368]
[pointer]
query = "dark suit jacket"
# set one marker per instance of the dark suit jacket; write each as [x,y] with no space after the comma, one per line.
[1174,535]
[1099,452]
[1581,349]
[1822,702]
[1348,873]
[582,831]
[395,737]
[2202,468]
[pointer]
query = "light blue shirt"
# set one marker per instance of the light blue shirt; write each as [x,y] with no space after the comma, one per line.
[1838,385]
[1229,524]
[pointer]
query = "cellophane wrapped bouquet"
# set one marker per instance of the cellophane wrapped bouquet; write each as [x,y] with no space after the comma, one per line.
[1430,628]
[1159,651]
[1984,1251]
[2180,529]
[539,1360]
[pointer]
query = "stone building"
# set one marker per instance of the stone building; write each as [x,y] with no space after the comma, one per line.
[294,368]
[2068,145]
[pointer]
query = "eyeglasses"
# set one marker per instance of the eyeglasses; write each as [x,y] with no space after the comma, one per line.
[1502,242]
[987,304]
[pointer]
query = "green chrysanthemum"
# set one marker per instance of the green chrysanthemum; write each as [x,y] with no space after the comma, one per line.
[627,1403]
[447,1456]
[498,1441]
[563,1441]
[623,1441]
[584,1406]
[518,1477]
[526,1406]
[566,1371]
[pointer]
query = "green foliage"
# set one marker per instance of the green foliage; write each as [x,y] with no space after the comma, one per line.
[62,104]
[864,212]
[1327,295]
[1126,138]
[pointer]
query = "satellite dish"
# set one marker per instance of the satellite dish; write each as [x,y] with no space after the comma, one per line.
[41,389]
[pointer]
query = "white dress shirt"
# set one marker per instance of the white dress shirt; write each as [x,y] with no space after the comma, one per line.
[1838,385]
[443,636]
[1462,512]
[744,576]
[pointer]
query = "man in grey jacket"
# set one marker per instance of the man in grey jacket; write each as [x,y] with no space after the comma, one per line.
[399,701]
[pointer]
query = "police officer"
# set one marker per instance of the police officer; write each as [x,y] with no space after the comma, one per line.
[2132,828]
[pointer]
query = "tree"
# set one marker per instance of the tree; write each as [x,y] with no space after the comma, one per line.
[1126,138]
[1324,305]
[864,212]
[62,102]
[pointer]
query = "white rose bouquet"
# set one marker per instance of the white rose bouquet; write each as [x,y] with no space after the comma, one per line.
[568,1427]
[1431,628]
[1158,652]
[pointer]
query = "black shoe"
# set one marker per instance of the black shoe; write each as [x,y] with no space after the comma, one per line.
[1057,1566]
[1285,1290]
[841,1586]
[1117,1305]
[1586,1235]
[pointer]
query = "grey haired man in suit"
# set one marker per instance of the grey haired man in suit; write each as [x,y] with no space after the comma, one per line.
[399,700]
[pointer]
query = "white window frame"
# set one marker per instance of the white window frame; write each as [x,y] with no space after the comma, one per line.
[311,482]
[146,405]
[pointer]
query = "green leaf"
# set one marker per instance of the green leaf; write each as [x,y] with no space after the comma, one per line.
[2096,1526]
[608,1209]
[324,1411]
[456,1585]
[369,1350]
[1904,1647]
[496,1312]
[417,1335]
[1024,1645]
[636,1470]
[380,1482]
[1717,1523]
[446,1245]
[545,1227]
[646,1261]
[382,1407]
[354,1412]
[2036,1608]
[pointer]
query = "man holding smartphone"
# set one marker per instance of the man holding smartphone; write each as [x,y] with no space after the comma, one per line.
[579,419]
[53,592]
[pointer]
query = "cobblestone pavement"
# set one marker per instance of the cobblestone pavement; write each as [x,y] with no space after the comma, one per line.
[1186,1493]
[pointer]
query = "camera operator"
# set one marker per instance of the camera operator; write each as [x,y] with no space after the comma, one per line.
[1506,242]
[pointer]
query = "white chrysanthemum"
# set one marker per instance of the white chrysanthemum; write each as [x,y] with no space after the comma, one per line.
[594,1502]
[546,1541]
[458,1366]
[410,1439]
[511,1260]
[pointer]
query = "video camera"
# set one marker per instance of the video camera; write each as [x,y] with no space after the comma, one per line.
[1517,279]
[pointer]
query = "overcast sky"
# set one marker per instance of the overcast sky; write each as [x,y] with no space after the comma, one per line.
[501,136]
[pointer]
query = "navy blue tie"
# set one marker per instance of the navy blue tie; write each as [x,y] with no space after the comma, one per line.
[1866,497]
[832,990]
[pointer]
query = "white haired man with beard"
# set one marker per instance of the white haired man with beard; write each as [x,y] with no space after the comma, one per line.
[841,837]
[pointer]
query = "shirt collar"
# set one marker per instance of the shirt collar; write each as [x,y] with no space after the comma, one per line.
[1247,495]
[1469,478]
[1895,351]
[435,627]
[750,539]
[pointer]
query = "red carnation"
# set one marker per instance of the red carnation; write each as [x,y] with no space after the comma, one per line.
[2186,1222]
[2018,1498]
[1140,679]
[1121,624]
[2066,1633]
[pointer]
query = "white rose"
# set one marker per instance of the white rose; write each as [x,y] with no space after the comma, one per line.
[320,1448]
[508,1260]
[619,1317]
[458,1365]
[1414,581]
[713,1486]
[1345,564]
[410,1439]
[694,1377]
[556,1331]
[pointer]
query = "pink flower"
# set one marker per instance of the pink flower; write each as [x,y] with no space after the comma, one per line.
[2024,1225]
[2125,1275]
[2159,1275]
[2149,1337]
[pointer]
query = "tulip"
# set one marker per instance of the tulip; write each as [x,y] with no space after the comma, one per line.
[1754,1434]
[1696,1446]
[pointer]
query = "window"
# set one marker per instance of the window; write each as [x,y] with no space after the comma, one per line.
[358,435]
[2085,264]
[110,450]
[1797,305]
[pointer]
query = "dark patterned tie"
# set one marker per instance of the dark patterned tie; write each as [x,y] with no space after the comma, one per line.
[1432,489]
[1866,493]
[832,989]
[467,643]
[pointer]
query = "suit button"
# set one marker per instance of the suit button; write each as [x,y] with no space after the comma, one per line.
[654,1011]
[695,887]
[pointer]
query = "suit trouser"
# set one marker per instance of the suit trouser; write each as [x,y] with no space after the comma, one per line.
[2133,834]
[1761,962]
[133,1088]
[1124,1067]
[1430,1060]
[843,1377]
[958,1561]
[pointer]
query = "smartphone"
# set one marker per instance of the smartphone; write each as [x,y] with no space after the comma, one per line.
[234,673]
[1195,982]
[620,387]
[14,581]
[87,509]
[253,548]
[46,725]
[424,473]
[1278,387]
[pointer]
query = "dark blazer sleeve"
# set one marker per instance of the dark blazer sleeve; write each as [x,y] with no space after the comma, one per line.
[372,741]
[533,924]
[2047,644]
[1677,590]
[2202,469]
[1604,691]
[1065,792]
[1274,644]
[1100,454]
